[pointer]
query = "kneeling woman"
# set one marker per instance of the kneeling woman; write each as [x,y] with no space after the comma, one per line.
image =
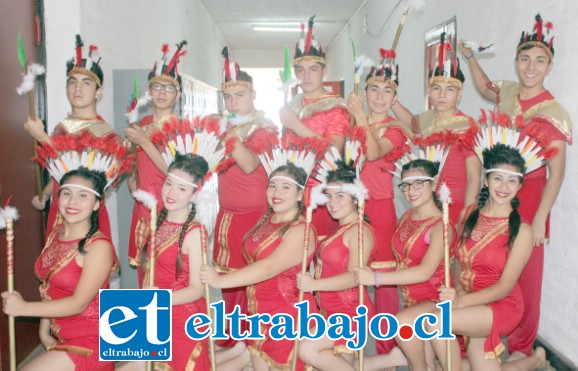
[334,282]
[493,249]
[273,249]
[73,266]
[418,250]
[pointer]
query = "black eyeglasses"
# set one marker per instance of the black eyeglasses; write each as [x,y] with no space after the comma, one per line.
[418,184]
[167,88]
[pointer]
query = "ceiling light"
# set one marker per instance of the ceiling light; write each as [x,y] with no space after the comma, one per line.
[270,28]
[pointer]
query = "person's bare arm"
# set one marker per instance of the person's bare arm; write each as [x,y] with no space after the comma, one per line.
[481,80]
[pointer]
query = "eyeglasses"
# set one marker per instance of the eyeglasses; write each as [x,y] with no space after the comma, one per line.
[418,184]
[167,88]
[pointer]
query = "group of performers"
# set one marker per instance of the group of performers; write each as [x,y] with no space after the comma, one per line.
[504,172]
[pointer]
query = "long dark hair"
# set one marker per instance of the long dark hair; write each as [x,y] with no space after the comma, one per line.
[298,175]
[499,155]
[98,181]
[197,167]
[430,169]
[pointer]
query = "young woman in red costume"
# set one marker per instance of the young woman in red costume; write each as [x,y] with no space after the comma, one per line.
[273,249]
[165,90]
[73,266]
[84,125]
[334,285]
[418,248]
[493,249]
[385,142]
[543,117]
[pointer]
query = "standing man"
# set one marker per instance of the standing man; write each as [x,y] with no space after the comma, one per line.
[242,185]
[83,89]
[165,90]
[316,112]
[545,120]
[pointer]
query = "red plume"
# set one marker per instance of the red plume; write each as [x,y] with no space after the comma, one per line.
[483,117]
[442,50]
[549,26]
[176,57]
[309,37]
[165,49]
[538,27]
[79,44]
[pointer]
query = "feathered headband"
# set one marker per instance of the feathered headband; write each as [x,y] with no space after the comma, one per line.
[499,129]
[167,71]
[352,161]
[386,70]
[68,152]
[87,66]
[301,152]
[538,38]
[232,75]
[435,152]
[448,65]
[307,48]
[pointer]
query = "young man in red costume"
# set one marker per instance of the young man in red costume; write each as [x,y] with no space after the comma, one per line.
[445,124]
[315,112]
[242,185]
[83,89]
[165,90]
[386,143]
[542,116]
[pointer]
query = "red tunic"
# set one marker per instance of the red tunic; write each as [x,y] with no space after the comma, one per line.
[150,179]
[454,172]
[242,203]
[59,272]
[410,243]
[544,115]
[275,295]
[98,128]
[187,354]
[328,117]
[333,259]
[483,259]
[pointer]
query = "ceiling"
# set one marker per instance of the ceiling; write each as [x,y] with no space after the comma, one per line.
[235,19]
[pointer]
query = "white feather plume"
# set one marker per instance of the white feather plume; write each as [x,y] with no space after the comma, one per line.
[357,189]
[479,48]
[414,4]
[2,223]
[27,84]
[444,194]
[132,116]
[145,198]
[317,197]
[10,213]
[362,63]
[207,204]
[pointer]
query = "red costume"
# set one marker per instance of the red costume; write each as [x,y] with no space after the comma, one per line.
[410,243]
[242,203]
[150,179]
[544,117]
[328,117]
[275,295]
[457,132]
[483,258]
[59,272]
[187,354]
[98,129]
[380,210]
[333,259]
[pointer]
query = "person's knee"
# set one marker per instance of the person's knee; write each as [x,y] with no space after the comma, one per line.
[306,351]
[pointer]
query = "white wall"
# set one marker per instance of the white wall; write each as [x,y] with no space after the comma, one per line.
[500,22]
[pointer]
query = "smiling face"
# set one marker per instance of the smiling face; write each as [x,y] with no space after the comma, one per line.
[418,189]
[310,75]
[77,204]
[532,66]
[82,91]
[177,191]
[239,99]
[341,205]
[380,96]
[444,97]
[283,195]
[503,186]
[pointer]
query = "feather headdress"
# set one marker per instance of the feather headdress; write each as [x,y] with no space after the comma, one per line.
[537,37]
[447,68]
[435,152]
[232,74]
[387,69]
[307,48]
[89,66]
[167,71]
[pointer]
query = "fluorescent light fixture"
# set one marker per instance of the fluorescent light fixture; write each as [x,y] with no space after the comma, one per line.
[273,28]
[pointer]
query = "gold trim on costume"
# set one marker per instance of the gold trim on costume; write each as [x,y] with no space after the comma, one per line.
[446,80]
[95,126]
[538,44]
[221,264]
[165,79]
[322,104]
[375,79]
[383,264]
[309,58]
[74,349]
[429,124]
[379,128]
[233,83]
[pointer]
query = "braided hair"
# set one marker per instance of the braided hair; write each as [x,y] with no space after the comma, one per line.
[430,169]
[98,182]
[344,174]
[197,167]
[298,175]
[500,154]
